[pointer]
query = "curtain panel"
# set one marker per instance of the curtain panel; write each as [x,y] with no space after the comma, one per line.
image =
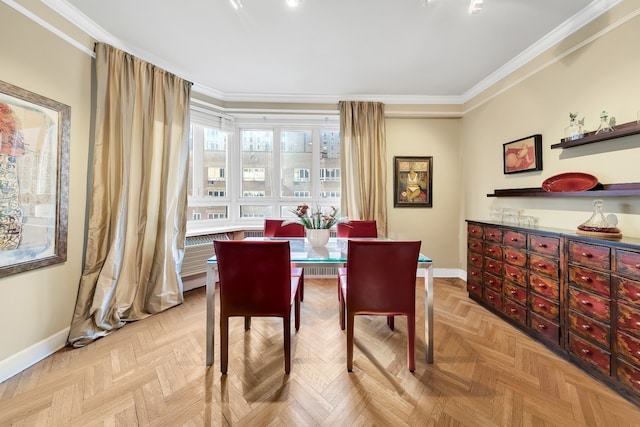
[137,212]
[363,162]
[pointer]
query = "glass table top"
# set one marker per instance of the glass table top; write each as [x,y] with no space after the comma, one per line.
[301,251]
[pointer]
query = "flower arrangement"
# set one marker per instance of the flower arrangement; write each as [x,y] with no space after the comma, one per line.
[316,219]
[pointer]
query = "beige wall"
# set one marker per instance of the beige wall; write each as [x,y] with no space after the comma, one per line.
[601,75]
[437,227]
[36,306]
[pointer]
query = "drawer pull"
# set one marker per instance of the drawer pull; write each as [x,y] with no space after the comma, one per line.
[491,281]
[491,297]
[514,275]
[513,292]
[514,239]
[638,324]
[586,302]
[542,245]
[587,255]
[585,279]
[473,258]
[492,235]
[491,265]
[473,273]
[542,266]
[514,256]
[541,326]
[474,287]
[586,327]
[586,351]
[491,251]
[541,285]
[513,310]
[541,305]
[638,266]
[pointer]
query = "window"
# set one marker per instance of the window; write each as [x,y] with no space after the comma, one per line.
[241,173]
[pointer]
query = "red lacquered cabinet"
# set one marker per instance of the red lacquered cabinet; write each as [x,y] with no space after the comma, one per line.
[578,295]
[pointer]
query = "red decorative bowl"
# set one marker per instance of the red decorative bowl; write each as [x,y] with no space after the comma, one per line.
[569,181]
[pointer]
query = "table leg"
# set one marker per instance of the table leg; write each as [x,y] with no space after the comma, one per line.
[211,294]
[428,312]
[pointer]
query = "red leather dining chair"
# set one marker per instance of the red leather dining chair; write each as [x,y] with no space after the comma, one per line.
[380,280]
[256,280]
[357,228]
[274,228]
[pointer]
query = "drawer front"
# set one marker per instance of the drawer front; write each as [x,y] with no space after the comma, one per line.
[628,264]
[589,255]
[590,305]
[629,347]
[629,319]
[493,266]
[547,329]
[515,274]
[493,234]
[474,288]
[474,259]
[590,329]
[590,353]
[474,246]
[515,256]
[474,230]
[544,245]
[628,290]
[475,275]
[493,298]
[599,283]
[516,293]
[493,250]
[547,266]
[629,376]
[515,311]
[544,307]
[545,287]
[515,239]
[493,282]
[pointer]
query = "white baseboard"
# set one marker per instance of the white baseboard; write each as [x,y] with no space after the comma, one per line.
[20,361]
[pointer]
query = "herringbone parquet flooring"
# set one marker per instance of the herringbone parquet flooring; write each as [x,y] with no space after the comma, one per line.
[152,373]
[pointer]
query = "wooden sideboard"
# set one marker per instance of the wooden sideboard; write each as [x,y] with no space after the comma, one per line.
[580,296]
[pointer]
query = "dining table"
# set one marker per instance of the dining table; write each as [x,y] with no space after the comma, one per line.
[333,254]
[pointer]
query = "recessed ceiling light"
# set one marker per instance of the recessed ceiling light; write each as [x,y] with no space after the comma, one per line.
[237,4]
[475,6]
[293,3]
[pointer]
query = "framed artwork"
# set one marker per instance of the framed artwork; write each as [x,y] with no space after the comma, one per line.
[412,182]
[523,155]
[34,182]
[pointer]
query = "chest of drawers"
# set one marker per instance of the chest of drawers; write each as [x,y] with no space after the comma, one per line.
[580,296]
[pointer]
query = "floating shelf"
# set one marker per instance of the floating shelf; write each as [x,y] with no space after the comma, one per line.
[601,190]
[624,129]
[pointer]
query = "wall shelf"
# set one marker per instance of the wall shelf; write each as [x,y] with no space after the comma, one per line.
[624,129]
[601,190]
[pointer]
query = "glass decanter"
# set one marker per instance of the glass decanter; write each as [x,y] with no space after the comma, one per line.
[598,222]
[574,130]
[605,124]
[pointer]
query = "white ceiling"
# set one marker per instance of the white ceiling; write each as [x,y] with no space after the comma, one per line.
[325,50]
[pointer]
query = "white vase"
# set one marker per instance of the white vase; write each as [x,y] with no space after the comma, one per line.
[317,236]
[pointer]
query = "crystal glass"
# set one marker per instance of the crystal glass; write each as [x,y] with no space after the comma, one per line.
[574,130]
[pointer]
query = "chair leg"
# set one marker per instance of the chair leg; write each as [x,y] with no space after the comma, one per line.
[341,308]
[391,322]
[350,326]
[224,343]
[287,344]
[247,323]
[301,285]
[411,340]
[297,309]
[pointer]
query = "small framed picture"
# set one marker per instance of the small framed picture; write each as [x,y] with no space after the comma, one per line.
[412,178]
[523,155]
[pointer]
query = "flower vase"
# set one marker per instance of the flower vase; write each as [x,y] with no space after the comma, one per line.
[318,237]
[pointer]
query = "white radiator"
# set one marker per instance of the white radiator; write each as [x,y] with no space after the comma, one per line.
[197,250]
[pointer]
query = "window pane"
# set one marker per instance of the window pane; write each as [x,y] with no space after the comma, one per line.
[296,158]
[201,213]
[249,211]
[257,162]
[214,161]
[330,164]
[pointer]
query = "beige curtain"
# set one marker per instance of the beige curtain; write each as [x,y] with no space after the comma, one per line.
[362,134]
[136,232]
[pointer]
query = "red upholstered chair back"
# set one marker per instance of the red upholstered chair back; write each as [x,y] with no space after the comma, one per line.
[358,228]
[382,276]
[274,228]
[255,277]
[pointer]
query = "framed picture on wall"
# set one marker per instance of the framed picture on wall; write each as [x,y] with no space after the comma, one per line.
[523,155]
[34,165]
[412,182]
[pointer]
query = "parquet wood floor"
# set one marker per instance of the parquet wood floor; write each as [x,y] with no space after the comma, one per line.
[152,373]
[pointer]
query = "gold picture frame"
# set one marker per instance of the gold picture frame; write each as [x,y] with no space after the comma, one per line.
[412,182]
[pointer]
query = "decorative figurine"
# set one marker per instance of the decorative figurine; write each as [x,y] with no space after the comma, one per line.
[606,125]
[574,130]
